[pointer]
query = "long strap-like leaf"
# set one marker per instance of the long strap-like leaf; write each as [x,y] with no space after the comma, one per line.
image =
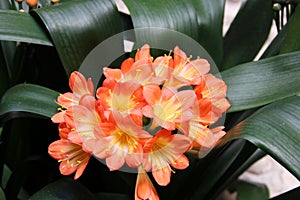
[17,26]
[258,83]
[276,130]
[29,98]
[76,27]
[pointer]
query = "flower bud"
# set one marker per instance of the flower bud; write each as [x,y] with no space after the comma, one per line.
[19,1]
[31,3]
[54,1]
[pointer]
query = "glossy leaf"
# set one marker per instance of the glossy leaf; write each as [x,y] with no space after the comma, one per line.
[247,33]
[17,26]
[4,4]
[201,20]
[209,179]
[27,173]
[76,27]
[2,194]
[276,130]
[292,40]
[8,49]
[3,73]
[5,175]
[258,83]
[29,98]
[245,159]
[251,191]
[63,189]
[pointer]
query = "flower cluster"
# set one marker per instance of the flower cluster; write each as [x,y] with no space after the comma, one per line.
[146,115]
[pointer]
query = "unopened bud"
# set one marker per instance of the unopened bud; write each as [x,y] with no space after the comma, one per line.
[31,3]
[19,1]
[54,1]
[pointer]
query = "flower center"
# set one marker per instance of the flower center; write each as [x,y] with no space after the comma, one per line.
[167,111]
[125,141]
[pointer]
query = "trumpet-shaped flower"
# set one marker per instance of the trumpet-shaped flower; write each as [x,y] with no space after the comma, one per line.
[138,69]
[80,87]
[167,106]
[204,138]
[144,189]
[83,119]
[162,67]
[71,157]
[121,138]
[169,93]
[126,97]
[163,150]
[185,71]
[211,93]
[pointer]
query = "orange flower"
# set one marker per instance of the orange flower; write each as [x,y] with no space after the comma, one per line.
[204,138]
[167,106]
[186,72]
[71,157]
[121,141]
[80,87]
[138,69]
[83,119]
[162,67]
[111,126]
[163,150]
[211,96]
[126,97]
[144,189]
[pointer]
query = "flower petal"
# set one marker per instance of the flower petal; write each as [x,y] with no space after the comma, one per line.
[181,163]
[112,73]
[115,161]
[152,94]
[162,176]
[144,188]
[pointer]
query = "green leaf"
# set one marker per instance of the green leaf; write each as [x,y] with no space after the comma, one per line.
[251,191]
[29,98]
[17,26]
[208,179]
[63,189]
[5,176]
[2,194]
[276,130]
[248,32]
[76,27]
[201,20]
[245,159]
[8,49]
[4,77]
[292,40]
[258,83]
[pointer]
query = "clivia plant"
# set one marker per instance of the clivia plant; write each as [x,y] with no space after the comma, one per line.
[178,112]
